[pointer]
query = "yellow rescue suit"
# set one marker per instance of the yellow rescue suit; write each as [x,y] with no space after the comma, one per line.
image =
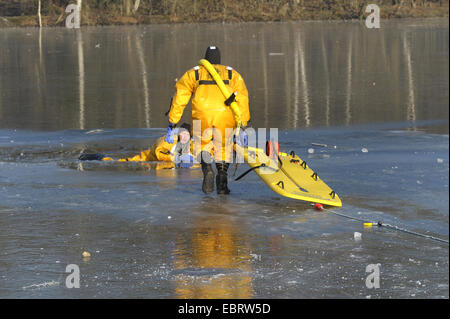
[209,107]
[160,151]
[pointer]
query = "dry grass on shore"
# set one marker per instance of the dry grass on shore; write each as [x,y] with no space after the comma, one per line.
[105,12]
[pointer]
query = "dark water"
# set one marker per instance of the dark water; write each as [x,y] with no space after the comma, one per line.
[298,74]
[153,234]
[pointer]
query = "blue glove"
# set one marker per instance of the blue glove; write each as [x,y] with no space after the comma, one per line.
[242,138]
[185,160]
[170,133]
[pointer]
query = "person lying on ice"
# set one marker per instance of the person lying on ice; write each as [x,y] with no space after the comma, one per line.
[178,152]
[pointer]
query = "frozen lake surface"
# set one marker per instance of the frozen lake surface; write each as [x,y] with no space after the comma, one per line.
[377,98]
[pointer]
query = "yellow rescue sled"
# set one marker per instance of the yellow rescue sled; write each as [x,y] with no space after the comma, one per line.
[286,174]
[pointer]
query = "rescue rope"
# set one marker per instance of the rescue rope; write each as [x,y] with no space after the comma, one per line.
[252,169]
[248,171]
[381,224]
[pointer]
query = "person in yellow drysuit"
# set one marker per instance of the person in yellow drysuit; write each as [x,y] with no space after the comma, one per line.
[178,152]
[160,151]
[208,106]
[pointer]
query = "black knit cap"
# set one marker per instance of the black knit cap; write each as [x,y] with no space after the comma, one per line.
[186,126]
[213,55]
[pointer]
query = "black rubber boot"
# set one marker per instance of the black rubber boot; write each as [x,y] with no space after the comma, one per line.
[222,178]
[208,173]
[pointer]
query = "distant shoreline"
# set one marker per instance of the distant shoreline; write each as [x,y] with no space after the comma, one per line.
[232,14]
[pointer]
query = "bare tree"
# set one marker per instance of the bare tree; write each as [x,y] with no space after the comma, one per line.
[136,6]
[145,88]
[411,108]
[128,9]
[127,5]
[79,3]
[81,78]
[348,111]
[39,14]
